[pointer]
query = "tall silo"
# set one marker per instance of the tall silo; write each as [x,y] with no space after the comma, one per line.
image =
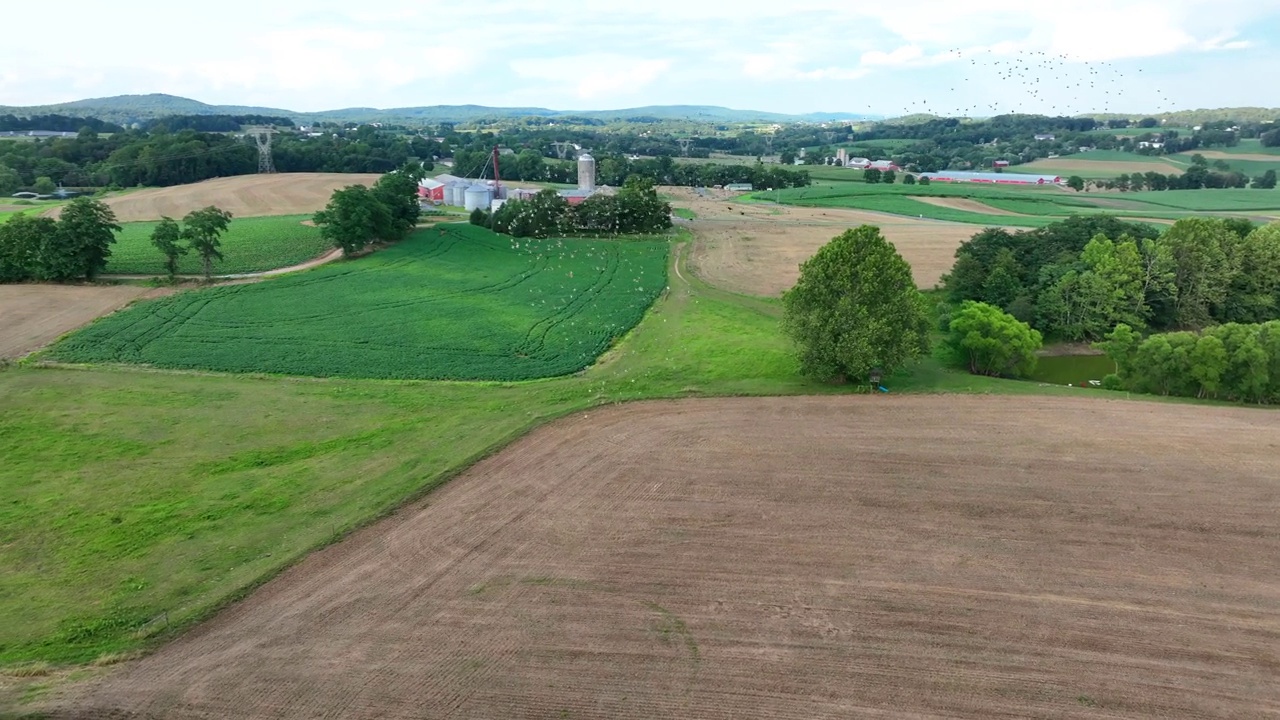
[586,172]
[457,192]
[478,196]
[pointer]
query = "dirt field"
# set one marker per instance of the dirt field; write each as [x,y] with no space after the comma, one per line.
[242,196]
[966,205]
[758,249]
[850,557]
[1096,167]
[32,316]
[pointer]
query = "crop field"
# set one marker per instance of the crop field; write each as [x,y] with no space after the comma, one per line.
[1088,167]
[455,302]
[909,206]
[250,244]
[242,196]
[1215,200]
[838,557]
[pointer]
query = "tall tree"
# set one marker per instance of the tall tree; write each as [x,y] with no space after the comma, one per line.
[1075,182]
[1202,268]
[88,229]
[167,237]
[353,218]
[201,229]
[855,308]
[22,248]
[398,192]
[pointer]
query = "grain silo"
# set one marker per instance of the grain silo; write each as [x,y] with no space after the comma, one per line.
[477,196]
[586,172]
[456,193]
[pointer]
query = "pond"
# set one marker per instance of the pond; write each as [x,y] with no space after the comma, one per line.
[1072,369]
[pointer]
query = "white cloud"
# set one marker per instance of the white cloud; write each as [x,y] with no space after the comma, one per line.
[593,76]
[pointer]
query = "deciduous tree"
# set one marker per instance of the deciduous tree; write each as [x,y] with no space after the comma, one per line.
[88,229]
[988,341]
[201,229]
[855,308]
[167,237]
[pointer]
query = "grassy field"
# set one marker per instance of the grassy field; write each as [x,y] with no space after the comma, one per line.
[250,244]
[140,501]
[417,310]
[1236,200]
[685,213]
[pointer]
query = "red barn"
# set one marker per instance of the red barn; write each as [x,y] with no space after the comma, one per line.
[429,189]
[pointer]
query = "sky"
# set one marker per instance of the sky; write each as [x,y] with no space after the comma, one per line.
[888,57]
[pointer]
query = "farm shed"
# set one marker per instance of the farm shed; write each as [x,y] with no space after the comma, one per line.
[994,178]
[430,189]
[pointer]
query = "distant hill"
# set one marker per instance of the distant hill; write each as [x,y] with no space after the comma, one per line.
[127,109]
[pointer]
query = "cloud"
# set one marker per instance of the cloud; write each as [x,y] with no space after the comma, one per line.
[593,76]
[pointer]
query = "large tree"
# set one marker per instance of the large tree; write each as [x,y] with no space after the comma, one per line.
[201,229]
[88,229]
[167,237]
[1203,268]
[988,341]
[353,218]
[855,308]
[23,241]
[398,192]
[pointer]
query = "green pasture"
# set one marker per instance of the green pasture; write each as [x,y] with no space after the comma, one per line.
[452,302]
[1216,200]
[138,502]
[250,244]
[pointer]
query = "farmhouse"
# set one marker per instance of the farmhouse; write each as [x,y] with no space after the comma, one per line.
[994,178]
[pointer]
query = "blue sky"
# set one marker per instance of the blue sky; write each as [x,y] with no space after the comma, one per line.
[976,57]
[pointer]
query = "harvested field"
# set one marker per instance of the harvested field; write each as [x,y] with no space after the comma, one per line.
[966,205]
[757,249]
[744,558]
[1098,168]
[1220,155]
[242,196]
[32,316]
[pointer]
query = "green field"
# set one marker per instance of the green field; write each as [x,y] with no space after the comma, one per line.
[417,310]
[137,502]
[1220,200]
[250,245]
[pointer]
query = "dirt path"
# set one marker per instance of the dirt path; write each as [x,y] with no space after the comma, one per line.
[966,205]
[757,248]
[32,316]
[837,557]
[334,254]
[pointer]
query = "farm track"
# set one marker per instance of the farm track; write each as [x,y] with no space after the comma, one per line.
[781,558]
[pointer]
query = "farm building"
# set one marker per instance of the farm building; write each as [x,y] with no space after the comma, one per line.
[1000,163]
[431,189]
[1045,137]
[883,165]
[739,187]
[586,181]
[994,178]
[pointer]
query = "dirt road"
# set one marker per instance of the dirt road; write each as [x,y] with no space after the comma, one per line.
[848,557]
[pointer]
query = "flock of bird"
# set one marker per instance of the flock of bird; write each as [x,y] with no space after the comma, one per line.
[988,83]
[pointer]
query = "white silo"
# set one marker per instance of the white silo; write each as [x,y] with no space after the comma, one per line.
[586,172]
[477,196]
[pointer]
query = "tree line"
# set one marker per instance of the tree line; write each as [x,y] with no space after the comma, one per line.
[75,246]
[1233,361]
[1077,279]
[634,209]
[1200,176]
[56,123]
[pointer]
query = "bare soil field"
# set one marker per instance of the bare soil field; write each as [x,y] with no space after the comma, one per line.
[32,316]
[836,557]
[242,196]
[757,249]
[1116,167]
[966,205]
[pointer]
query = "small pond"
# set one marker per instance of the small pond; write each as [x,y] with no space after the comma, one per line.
[1072,369]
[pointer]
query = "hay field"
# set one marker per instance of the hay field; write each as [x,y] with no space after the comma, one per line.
[242,196]
[757,248]
[1099,168]
[966,205]
[838,557]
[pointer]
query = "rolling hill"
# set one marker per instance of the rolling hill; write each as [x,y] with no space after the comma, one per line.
[127,109]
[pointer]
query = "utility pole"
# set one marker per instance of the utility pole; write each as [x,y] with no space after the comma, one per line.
[262,136]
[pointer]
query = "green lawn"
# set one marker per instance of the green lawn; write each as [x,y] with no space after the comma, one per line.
[138,502]
[250,245]
[452,302]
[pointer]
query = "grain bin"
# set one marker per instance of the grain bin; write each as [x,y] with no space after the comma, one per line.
[455,193]
[477,196]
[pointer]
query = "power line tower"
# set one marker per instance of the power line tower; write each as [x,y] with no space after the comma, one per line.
[768,144]
[684,145]
[262,136]
[562,149]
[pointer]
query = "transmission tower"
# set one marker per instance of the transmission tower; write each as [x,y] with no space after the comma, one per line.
[262,136]
[768,144]
[562,149]
[684,145]
[829,136]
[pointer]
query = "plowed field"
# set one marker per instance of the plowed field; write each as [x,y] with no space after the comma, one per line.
[853,557]
[242,196]
[32,316]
